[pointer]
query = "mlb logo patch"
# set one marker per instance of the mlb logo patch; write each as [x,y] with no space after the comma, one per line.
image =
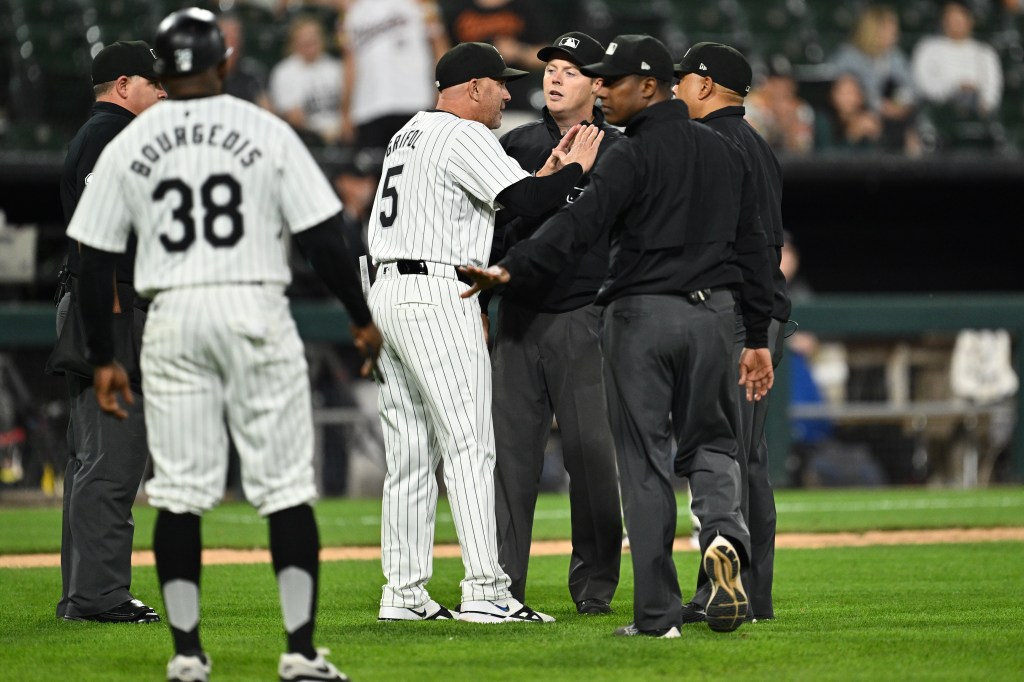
[569,42]
[611,48]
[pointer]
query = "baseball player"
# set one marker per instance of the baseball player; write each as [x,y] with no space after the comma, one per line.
[443,178]
[714,80]
[211,185]
[547,359]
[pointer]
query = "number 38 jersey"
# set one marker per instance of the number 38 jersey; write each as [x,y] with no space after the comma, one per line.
[436,199]
[211,186]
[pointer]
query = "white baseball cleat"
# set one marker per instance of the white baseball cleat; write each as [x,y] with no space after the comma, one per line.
[429,611]
[727,606]
[298,668]
[189,668]
[507,611]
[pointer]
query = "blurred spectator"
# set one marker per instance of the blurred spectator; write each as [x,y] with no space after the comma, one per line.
[956,69]
[519,31]
[246,77]
[785,120]
[383,39]
[305,87]
[847,124]
[874,57]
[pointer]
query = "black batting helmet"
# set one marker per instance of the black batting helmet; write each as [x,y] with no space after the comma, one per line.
[188,41]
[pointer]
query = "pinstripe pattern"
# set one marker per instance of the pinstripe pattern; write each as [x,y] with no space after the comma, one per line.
[226,357]
[217,353]
[192,141]
[451,173]
[436,402]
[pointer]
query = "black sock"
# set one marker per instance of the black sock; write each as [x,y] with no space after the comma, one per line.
[295,549]
[177,545]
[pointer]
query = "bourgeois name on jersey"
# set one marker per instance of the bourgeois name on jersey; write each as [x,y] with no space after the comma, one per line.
[197,134]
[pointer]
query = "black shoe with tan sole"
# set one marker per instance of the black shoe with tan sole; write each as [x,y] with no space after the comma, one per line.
[727,607]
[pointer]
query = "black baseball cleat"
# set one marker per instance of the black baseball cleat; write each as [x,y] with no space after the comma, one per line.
[632,630]
[727,607]
[693,613]
[131,611]
[592,607]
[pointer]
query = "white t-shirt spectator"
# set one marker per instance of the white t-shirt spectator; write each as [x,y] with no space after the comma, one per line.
[314,87]
[941,66]
[394,65]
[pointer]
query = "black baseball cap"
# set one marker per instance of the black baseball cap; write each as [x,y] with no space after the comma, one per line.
[578,48]
[642,55]
[721,63]
[124,58]
[467,61]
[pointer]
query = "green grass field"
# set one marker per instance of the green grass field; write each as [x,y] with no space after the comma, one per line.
[933,611]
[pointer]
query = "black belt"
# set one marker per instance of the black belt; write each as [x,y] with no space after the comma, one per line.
[418,267]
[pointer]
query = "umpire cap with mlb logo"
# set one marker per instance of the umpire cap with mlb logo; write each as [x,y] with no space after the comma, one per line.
[188,42]
[626,55]
[467,61]
[721,63]
[576,47]
[124,58]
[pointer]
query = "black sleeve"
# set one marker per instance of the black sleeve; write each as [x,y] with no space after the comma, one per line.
[324,248]
[757,291]
[533,196]
[96,298]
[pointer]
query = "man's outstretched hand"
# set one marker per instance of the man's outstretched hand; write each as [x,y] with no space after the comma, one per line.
[484,278]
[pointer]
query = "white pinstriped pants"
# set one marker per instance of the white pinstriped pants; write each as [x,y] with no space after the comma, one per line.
[435,404]
[218,357]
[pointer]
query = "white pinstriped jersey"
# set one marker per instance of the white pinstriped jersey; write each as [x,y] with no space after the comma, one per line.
[436,198]
[210,185]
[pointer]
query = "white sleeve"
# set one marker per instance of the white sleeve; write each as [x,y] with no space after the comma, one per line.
[479,164]
[285,88]
[102,219]
[990,77]
[927,70]
[307,198]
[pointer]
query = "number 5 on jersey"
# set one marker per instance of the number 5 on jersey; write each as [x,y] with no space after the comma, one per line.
[387,191]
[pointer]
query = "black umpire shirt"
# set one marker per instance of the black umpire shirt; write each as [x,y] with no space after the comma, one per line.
[680,207]
[767,175]
[106,120]
[578,283]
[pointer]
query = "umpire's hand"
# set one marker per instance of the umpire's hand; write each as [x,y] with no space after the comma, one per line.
[483,278]
[109,380]
[756,372]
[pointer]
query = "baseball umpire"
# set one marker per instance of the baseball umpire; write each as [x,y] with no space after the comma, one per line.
[108,457]
[546,358]
[715,79]
[676,200]
[211,185]
[444,177]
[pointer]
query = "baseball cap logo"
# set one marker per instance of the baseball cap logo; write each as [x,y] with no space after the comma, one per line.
[569,42]
[702,67]
[611,48]
[152,52]
[183,60]
[644,66]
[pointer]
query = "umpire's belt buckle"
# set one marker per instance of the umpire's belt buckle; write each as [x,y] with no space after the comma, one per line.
[698,296]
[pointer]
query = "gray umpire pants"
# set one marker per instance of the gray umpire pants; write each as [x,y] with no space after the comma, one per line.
[669,371]
[758,496]
[105,469]
[546,363]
